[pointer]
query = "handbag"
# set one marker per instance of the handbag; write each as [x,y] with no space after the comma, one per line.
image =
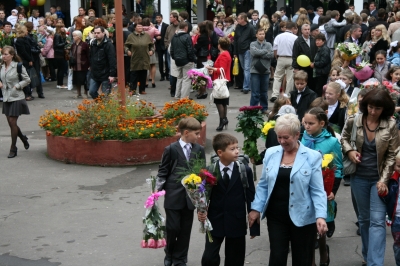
[35,81]
[235,70]
[72,58]
[220,90]
[348,166]
[261,69]
[43,62]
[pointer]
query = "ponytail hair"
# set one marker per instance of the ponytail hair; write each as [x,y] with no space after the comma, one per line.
[343,98]
[321,115]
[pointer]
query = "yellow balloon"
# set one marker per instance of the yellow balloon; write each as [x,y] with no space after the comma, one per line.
[302,60]
[40,2]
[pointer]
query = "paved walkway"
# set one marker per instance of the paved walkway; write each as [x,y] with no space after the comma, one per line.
[53,213]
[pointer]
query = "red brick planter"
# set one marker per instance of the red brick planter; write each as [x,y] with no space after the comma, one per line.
[110,152]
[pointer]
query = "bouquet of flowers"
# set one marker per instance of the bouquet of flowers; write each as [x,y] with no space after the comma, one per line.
[200,80]
[6,39]
[153,233]
[250,123]
[267,126]
[349,50]
[328,174]
[362,71]
[392,89]
[198,188]
[371,83]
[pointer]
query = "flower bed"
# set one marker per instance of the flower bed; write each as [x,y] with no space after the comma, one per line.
[102,132]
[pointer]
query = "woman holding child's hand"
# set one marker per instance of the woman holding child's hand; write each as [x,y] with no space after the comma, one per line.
[291,195]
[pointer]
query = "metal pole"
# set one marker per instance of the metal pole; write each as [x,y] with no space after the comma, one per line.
[120,50]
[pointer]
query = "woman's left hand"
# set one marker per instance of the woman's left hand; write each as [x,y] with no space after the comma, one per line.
[382,188]
[322,228]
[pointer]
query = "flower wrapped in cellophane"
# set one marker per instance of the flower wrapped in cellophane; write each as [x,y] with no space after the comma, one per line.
[348,50]
[362,71]
[200,79]
[393,89]
[328,175]
[198,187]
[154,229]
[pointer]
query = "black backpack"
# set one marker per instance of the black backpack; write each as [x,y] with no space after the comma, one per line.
[242,162]
[27,90]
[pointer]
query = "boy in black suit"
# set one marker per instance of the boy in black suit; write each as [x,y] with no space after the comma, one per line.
[178,207]
[347,77]
[302,96]
[227,209]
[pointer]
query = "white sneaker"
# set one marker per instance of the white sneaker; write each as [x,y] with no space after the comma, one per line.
[58,87]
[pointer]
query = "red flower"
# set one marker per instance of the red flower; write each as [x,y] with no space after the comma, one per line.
[210,179]
[250,108]
[387,84]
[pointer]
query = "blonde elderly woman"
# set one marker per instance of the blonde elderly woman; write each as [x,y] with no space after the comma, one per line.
[291,195]
[14,103]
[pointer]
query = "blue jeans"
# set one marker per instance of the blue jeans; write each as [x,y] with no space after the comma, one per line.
[396,238]
[259,90]
[94,87]
[245,60]
[371,217]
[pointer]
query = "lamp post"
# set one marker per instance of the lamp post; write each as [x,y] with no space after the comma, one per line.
[119,39]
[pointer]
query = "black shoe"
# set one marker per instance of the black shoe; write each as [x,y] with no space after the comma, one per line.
[204,96]
[12,153]
[346,180]
[153,85]
[167,77]
[147,85]
[162,79]
[167,262]
[25,141]
[237,88]
[273,99]
[41,96]
[226,122]
[221,124]
[331,229]
[172,95]
[245,91]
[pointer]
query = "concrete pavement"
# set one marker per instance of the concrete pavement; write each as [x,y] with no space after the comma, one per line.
[52,213]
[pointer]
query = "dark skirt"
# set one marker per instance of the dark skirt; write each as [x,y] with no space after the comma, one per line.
[15,108]
[222,101]
[79,77]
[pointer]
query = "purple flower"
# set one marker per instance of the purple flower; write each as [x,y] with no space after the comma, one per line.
[202,187]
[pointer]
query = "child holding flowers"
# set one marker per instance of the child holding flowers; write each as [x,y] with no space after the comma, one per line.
[227,210]
[320,136]
[178,207]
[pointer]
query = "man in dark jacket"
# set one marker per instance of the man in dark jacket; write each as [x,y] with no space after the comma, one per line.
[35,51]
[103,64]
[305,45]
[244,35]
[183,53]
[160,47]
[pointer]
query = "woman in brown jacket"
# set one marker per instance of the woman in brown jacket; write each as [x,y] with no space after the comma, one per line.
[139,46]
[377,143]
[80,52]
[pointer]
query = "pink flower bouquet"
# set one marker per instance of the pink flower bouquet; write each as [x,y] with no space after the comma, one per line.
[199,79]
[392,89]
[362,71]
[153,233]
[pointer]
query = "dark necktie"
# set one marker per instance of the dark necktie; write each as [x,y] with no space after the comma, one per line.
[226,176]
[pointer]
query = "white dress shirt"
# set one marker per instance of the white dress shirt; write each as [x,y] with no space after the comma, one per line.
[230,171]
[183,144]
[307,41]
[315,19]
[283,43]
[331,109]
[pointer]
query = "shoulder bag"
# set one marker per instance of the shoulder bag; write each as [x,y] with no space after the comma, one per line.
[259,66]
[220,90]
[349,167]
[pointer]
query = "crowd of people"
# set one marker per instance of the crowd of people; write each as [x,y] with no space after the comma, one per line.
[310,106]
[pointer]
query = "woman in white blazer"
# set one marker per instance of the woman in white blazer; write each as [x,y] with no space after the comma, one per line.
[14,103]
[291,195]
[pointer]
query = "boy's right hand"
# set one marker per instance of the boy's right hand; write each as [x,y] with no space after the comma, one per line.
[202,216]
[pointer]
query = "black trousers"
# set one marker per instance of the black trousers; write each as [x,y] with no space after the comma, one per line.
[302,240]
[138,76]
[178,227]
[235,251]
[36,65]
[127,66]
[161,62]
[60,64]
[52,68]
[320,81]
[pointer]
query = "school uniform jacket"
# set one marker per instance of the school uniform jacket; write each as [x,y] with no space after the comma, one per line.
[175,194]
[227,209]
[338,117]
[307,96]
